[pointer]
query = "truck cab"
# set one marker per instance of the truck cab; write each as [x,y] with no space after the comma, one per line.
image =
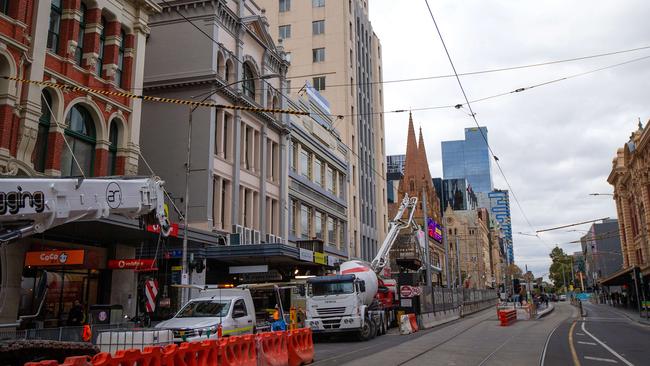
[200,317]
[335,303]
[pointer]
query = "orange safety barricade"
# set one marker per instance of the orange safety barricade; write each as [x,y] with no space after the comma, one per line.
[237,351]
[150,356]
[87,333]
[300,347]
[414,322]
[507,316]
[43,363]
[272,349]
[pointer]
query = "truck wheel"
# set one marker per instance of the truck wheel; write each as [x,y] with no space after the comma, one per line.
[374,329]
[365,333]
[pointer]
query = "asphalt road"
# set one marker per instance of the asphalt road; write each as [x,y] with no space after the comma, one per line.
[603,337]
[474,340]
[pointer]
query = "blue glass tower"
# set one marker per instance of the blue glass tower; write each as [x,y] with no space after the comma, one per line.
[469,159]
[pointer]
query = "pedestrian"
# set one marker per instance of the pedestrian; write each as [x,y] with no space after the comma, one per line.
[522,296]
[76,314]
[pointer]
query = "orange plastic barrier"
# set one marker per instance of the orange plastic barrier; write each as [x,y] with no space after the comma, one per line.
[507,316]
[300,347]
[272,349]
[414,322]
[43,363]
[237,351]
[151,356]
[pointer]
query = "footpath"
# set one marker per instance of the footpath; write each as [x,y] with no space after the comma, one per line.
[629,313]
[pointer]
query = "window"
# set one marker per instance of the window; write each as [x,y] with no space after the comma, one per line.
[228,70]
[239,309]
[318,3]
[331,233]
[340,228]
[248,82]
[287,56]
[80,37]
[285,31]
[305,221]
[285,5]
[102,40]
[80,135]
[318,172]
[120,60]
[318,224]
[330,183]
[292,156]
[4,7]
[318,27]
[318,54]
[112,149]
[40,150]
[55,26]
[304,163]
[292,221]
[341,185]
[351,59]
[319,83]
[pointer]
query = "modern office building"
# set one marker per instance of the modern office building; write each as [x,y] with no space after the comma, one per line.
[395,163]
[469,159]
[331,45]
[601,248]
[500,210]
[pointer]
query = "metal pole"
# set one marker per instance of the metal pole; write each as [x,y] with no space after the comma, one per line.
[184,274]
[444,238]
[426,236]
[460,280]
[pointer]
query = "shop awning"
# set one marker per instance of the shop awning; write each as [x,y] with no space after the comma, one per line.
[258,253]
[619,278]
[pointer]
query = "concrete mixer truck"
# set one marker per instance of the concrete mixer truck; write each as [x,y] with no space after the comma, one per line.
[358,298]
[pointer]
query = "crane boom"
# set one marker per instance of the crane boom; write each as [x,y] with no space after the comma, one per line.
[395,225]
[33,205]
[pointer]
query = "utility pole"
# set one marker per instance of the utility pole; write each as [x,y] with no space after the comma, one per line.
[426,238]
[445,240]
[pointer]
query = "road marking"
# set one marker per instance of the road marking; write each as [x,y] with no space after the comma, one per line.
[600,359]
[580,333]
[589,343]
[574,355]
[606,347]
[548,339]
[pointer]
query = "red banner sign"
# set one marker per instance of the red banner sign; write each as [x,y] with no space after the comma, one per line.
[156,229]
[130,263]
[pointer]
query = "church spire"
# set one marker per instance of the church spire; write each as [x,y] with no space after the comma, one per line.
[422,156]
[412,150]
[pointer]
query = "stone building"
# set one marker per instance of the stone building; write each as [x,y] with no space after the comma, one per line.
[630,177]
[470,250]
[331,45]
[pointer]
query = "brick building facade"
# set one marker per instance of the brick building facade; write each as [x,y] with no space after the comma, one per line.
[97,44]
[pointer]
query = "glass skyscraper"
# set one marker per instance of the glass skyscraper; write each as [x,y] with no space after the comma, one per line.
[469,159]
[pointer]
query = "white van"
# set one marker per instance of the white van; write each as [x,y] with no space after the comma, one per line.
[199,318]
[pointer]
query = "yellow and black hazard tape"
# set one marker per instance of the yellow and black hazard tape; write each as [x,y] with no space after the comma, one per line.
[152,98]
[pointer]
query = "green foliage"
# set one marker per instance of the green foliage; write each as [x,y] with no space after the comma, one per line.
[560,270]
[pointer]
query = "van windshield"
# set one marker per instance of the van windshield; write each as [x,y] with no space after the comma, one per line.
[206,308]
[332,288]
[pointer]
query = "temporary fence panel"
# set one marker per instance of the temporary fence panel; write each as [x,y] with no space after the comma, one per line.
[112,341]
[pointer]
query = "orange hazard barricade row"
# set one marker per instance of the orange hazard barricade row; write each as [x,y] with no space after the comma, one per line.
[414,322]
[507,316]
[300,347]
[293,348]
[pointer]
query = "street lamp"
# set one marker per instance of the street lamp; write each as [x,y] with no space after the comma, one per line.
[185,274]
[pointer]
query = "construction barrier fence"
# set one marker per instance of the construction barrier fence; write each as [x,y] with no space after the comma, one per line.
[290,348]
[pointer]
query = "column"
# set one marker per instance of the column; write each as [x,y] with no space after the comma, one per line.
[133,76]
[629,237]
[129,61]
[263,215]
[100,167]
[112,41]
[645,201]
[285,139]
[15,254]
[69,28]
[91,39]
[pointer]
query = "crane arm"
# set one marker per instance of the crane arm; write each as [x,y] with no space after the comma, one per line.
[33,205]
[394,227]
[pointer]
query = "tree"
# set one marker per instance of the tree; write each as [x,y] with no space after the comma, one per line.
[514,271]
[560,270]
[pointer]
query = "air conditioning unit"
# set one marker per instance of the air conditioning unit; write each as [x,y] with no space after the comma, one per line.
[234,239]
[237,229]
[248,235]
[270,239]
[256,237]
[279,240]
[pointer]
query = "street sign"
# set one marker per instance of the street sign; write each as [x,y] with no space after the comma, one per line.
[155,228]
[409,291]
[130,263]
[54,258]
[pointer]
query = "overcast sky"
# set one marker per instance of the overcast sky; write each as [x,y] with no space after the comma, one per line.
[556,142]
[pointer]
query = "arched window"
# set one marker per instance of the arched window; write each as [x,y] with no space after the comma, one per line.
[112,149]
[55,26]
[40,149]
[228,70]
[79,52]
[4,7]
[248,82]
[80,135]
[102,41]
[220,65]
[120,60]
